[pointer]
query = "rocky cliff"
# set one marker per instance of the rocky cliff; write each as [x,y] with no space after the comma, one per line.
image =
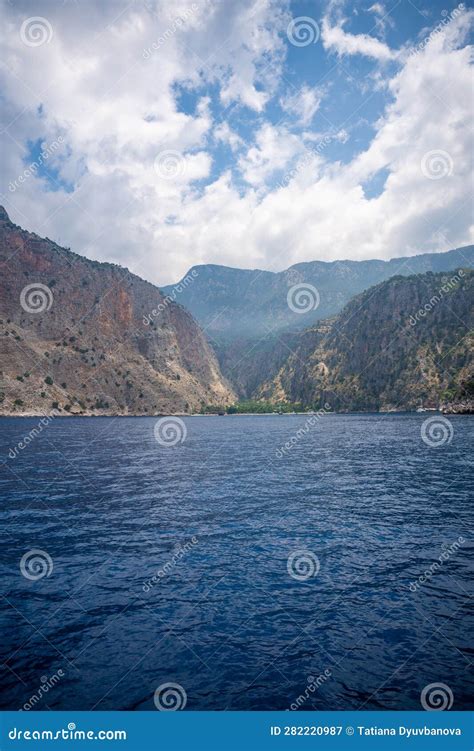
[250,314]
[89,337]
[402,344]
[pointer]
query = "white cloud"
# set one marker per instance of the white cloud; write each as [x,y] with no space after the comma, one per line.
[303,104]
[105,81]
[243,49]
[273,150]
[383,18]
[377,8]
[323,212]
[336,39]
[224,133]
[117,110]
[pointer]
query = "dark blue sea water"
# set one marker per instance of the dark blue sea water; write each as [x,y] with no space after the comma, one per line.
[371,504]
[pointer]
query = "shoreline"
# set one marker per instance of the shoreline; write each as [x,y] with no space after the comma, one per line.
[42,415]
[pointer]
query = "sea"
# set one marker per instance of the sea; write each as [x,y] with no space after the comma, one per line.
[237,562]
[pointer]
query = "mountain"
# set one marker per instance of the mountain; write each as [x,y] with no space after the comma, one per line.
[245,312]
[405,343]
[89,337]
[232,303]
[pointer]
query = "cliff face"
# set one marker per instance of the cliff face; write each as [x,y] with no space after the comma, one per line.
[247,311]
[404,343]
[92,337]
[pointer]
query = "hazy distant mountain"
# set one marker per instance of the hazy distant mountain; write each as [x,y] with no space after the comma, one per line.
[406,342]
[73,335]
[232,303]
[247,317]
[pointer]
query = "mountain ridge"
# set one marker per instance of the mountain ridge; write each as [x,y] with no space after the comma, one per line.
[109,342]
[239,307]
[403,344]
[429,254]
[232,303]
[73,337]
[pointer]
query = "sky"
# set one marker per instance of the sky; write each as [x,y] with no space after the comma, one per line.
[250,133]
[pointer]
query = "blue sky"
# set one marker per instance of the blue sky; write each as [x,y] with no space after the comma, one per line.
[341,80]
[262,133]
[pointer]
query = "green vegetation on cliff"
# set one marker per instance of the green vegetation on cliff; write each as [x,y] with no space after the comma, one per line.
[405,343]
[255,407]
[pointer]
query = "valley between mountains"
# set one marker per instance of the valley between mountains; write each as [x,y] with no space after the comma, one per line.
[83,337]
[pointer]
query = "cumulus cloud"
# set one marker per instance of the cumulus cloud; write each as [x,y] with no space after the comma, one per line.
[137,181]
[273,150]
